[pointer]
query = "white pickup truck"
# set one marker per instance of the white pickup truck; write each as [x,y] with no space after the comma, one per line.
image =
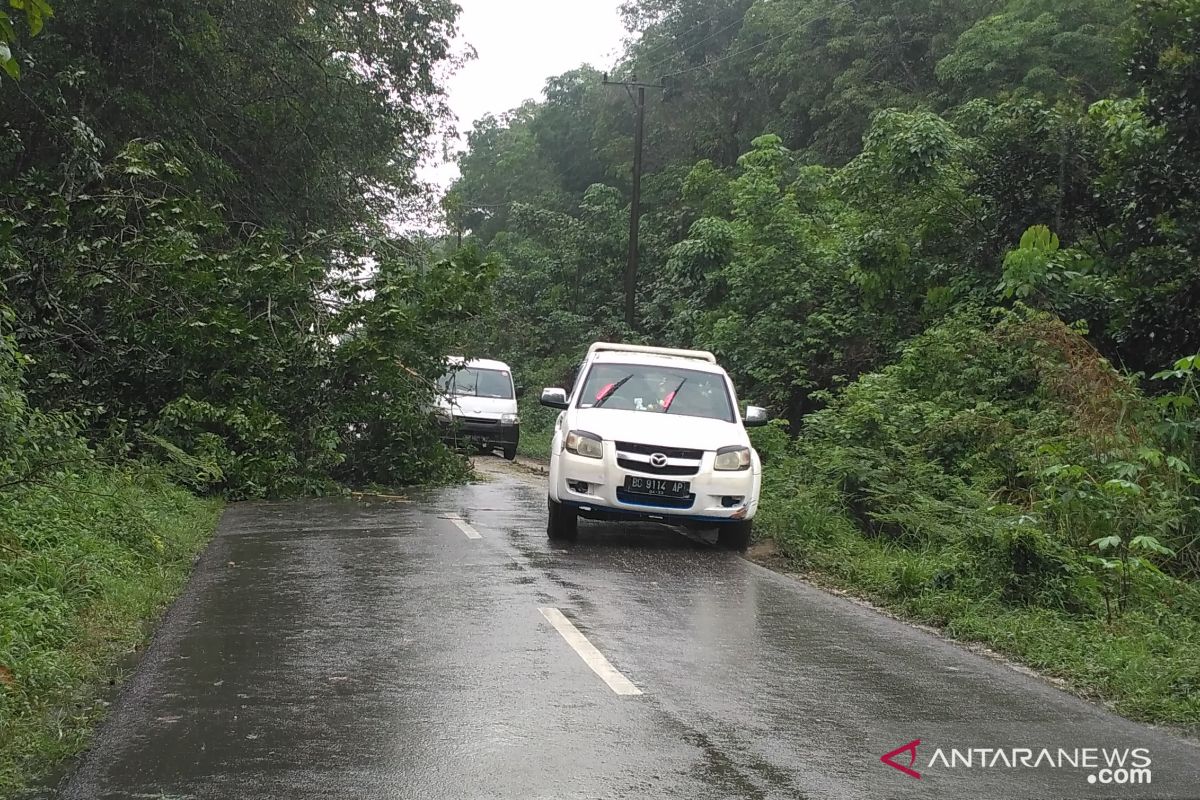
[653,433]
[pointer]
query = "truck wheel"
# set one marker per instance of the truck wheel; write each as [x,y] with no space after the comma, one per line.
[510,451]
[563,522]
[735,535]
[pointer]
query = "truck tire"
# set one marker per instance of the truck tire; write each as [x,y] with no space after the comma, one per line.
[510,451]
[562,523]
[735,535]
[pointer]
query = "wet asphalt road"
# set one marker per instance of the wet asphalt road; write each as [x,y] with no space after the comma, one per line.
[356,649]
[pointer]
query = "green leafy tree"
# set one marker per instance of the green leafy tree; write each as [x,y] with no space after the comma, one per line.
[1156,155]
[185,226]
[35,13]
[1035,47]
[791,321]
[292,116]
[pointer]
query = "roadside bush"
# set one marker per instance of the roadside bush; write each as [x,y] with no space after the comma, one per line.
[245,362]
[1021,564]
[772,441]
[88,552]
[1003,444]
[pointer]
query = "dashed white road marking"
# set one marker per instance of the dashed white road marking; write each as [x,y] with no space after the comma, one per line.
[588,652]
[464,526]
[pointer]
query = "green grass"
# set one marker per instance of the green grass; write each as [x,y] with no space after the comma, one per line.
[535,444]
[1146,663]
[87,563]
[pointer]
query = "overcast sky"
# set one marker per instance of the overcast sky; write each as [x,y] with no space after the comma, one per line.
[520,44]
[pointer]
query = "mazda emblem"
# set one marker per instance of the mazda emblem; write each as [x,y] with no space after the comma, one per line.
[658,460]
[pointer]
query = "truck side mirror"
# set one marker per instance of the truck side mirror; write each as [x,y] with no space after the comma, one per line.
[755,417]
[554,398]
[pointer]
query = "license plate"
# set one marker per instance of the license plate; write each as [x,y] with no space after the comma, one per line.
[657,487]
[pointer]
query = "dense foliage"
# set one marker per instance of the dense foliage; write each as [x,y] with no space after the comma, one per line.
[953,245]
[197,242]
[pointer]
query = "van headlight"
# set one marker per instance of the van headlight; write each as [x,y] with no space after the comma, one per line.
[585,444]
[510,419]
[731,459]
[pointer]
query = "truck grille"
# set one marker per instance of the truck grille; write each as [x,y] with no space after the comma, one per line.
[636,458]
[650,449]
[650,469]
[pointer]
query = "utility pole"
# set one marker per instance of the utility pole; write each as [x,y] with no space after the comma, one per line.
[635,206]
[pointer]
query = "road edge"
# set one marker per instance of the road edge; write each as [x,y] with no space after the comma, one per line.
[764,553]
[205,568]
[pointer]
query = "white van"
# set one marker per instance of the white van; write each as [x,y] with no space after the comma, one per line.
[653,433]
[477,402]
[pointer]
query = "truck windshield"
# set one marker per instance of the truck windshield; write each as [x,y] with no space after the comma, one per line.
[658,390]
[475,382]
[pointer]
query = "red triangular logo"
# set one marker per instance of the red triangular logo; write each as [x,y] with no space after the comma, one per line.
[911,749]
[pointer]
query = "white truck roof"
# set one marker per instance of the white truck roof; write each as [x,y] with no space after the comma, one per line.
[478,363]
[609,352]
[613,347]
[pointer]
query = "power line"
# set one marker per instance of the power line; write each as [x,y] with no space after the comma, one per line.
[692,46]
[751,48]
[489,205]
[688,32]
[729,56]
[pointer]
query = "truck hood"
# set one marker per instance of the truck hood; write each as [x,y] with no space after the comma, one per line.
[483,407]
[667,430]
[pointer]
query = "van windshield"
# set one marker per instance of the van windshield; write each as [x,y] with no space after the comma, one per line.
[657,389]
[476,382]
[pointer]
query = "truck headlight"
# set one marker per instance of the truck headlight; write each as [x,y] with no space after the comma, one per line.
[730,459]
[585,444]
[510,419]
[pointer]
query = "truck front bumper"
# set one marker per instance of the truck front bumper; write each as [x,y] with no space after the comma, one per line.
[596,488]
[485,434]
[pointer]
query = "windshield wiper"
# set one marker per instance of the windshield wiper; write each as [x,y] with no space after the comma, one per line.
[611,391]
[673,395]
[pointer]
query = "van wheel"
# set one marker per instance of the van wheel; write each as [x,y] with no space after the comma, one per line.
[563,522]
[735,535]
[510,451]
